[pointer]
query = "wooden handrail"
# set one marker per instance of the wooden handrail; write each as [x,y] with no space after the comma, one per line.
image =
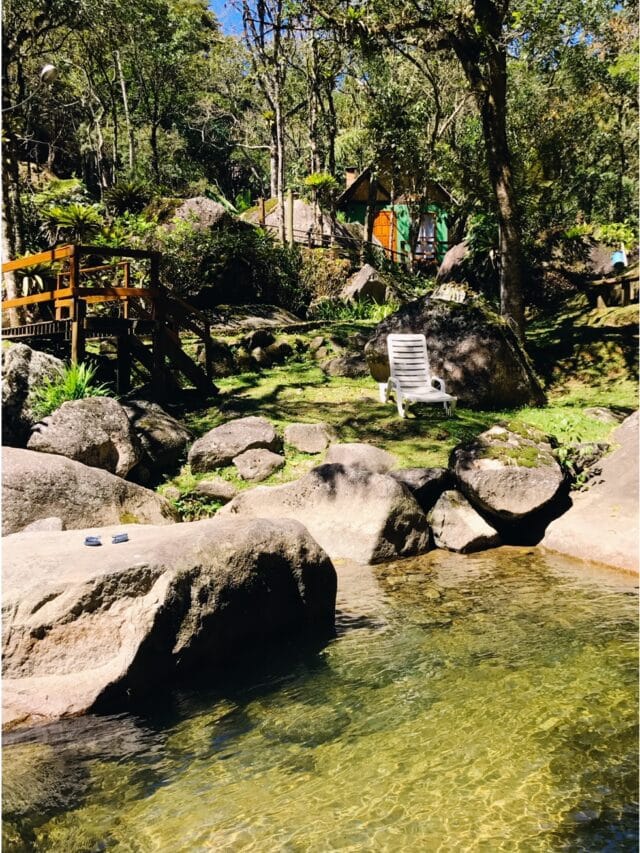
[58,253]
[47,296]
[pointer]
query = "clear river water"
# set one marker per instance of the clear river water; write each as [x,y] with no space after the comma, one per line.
[467,703]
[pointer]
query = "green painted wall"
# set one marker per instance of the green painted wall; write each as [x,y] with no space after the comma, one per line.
[356,212]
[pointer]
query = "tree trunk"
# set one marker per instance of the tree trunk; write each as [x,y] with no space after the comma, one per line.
[273,161]
[280,151]
[489,85]
[125,106]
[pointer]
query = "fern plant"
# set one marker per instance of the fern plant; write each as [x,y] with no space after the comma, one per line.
[74,223]
[130,196]
[73,382]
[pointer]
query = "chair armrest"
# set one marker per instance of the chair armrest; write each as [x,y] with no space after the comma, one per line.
[439,383]
[392,383]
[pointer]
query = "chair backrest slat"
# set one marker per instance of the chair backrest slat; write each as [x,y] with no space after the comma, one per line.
[408,360]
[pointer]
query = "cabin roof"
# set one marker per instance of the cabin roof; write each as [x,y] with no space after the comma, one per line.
[358,191]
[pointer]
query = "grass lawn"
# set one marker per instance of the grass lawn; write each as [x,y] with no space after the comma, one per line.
[585,359]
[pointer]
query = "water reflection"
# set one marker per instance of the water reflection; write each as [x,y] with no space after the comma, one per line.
[485,702]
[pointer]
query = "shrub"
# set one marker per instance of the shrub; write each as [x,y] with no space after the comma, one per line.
[322,276]
[337,310]
[130,196]
[73,223]
[74,382]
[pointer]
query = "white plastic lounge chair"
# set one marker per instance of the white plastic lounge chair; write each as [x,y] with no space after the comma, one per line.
[411,380]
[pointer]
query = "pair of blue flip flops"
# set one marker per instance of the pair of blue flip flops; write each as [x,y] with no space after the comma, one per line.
[115,540]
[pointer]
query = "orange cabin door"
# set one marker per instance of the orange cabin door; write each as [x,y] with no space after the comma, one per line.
[384,229]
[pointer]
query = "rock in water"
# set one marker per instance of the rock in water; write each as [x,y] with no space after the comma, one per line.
[219,446]
[509,474]
[456,525]
[88,628]
[476,354]
[95,431]
[41,485]
[23,369]
[602,524]
[353,513]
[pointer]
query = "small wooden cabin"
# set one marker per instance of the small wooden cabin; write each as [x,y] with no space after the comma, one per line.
[393,215]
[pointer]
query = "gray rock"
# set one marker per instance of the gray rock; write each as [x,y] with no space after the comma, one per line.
[602,523]
[217,489]
[364,456]
[258,464]
[23,369]
[223,362]
[477,355]
[202,213]
[316,343]
[261,357]
[220,445]
[279,352]
[172,493]
[309,438]
[164,439]
[508,474]
[95,431]
[425,484]
[456,525]
[352,513]
[348,366]
[602,413]
[365,284]
[260,338]
[52,523]
[452,266]
[91,628]
[42,485]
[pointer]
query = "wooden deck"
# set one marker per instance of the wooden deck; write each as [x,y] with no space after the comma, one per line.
[104,300]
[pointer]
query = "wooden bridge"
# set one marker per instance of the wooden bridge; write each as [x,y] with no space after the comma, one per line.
[108,298]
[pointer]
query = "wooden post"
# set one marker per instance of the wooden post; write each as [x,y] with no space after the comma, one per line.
[159,331]
[126,282]
[207,352]
[290,217]
[78,311]
[123,364]
[262,214]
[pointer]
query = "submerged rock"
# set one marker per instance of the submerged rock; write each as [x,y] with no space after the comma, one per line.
[353,513]
[91,628]
[456,525]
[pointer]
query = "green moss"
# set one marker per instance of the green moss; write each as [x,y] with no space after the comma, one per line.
[129,518]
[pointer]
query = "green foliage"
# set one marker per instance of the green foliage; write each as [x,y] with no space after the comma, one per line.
[128,196]
[609,233]
[73,223]
[321,187]
[322,275]
[235,264]
[136,230]
[342,311]
[74,382]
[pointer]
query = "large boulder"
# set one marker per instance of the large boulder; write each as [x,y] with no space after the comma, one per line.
[91,628]
[23,369]
[452,266]
[602,523]
[352,513]
[41,485]
[95,431]
[365,284]
[202,213]
[221,444]
[163,439]
[456,525]
[510,473]
[477,355]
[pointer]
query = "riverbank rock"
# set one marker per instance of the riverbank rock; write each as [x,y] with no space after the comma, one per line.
[602,523]
[258,464]
[477,355]
[41,485]
[95,431]
[90,628]
[360,455]
[456,525]
[365,284]
[452,265]
[352,513]
[425,484]
[23,369]
[216,488]
[221,444]
[309,438]
[509,473]
[348,366]
[163,439]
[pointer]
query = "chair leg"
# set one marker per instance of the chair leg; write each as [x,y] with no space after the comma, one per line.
[401,407]
[382,388]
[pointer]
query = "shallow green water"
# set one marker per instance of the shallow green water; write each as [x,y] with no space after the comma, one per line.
[480,703]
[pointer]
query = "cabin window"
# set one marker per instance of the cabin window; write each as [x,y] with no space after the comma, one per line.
[426,244]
